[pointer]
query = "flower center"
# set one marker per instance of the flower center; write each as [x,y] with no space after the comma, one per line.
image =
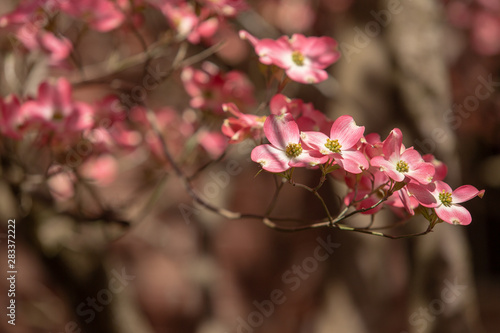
[445,198]
[58,115]
[293,150]
[402,167]
[261,119]
[298,58]
[333,145]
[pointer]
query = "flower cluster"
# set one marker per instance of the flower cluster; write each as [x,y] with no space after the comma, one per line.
[32,22]
[199,21]
[377,172]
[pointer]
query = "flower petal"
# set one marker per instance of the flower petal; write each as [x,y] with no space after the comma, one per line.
[440,187]
[411,156]
[455,214]
[322,51]
[464,193]
[281,130]
[316,141]
[270,158]
[345,130]
[307,159]
[306,74]
[387,167]
[392,145]
[279,104]
[353,161]
[423,173]
[423,194]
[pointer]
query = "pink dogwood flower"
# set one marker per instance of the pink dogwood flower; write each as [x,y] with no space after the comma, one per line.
[241,126]
[341,145]
[209,88]
[11,118]
[303,58]
[56,112]
[229,8]
[399,162]
[189,22]
[445,201]
[101,15]
[214,143]
[285,150]
[28,22]
[307,118]
[102,169]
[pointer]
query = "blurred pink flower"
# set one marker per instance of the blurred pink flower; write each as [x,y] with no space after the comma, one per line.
[11,117]
[486,33]
[307,118]
[290,16]
[214,143]
[209,88]
[303,58]
[56,113]
[27,22]
[61,182]
[241,126]
[100,169]
[228,8]
[101,15]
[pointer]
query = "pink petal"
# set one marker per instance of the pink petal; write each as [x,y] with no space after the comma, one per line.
[270,158]
[62,96]
[407,201]
[412,157]
[282,53]
[307,159]
[441,168]
[345,130]
[246,35]
[423,173]
[316,141]
[281,130]
[369,202]
[232,108]
[279,104]
[353,161]
[387,167]
[455,214]
[392,145]
[306,75]
[464,193]
[306,124]
[440,186]
[422,194]
[322,51]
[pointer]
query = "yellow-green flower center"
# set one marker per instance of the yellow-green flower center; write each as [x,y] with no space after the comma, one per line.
[445,198]
[293,150]
[402,167]
[261,119]
[333,145]
[298,58]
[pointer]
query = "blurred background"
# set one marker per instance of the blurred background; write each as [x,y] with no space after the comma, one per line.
[130,251]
